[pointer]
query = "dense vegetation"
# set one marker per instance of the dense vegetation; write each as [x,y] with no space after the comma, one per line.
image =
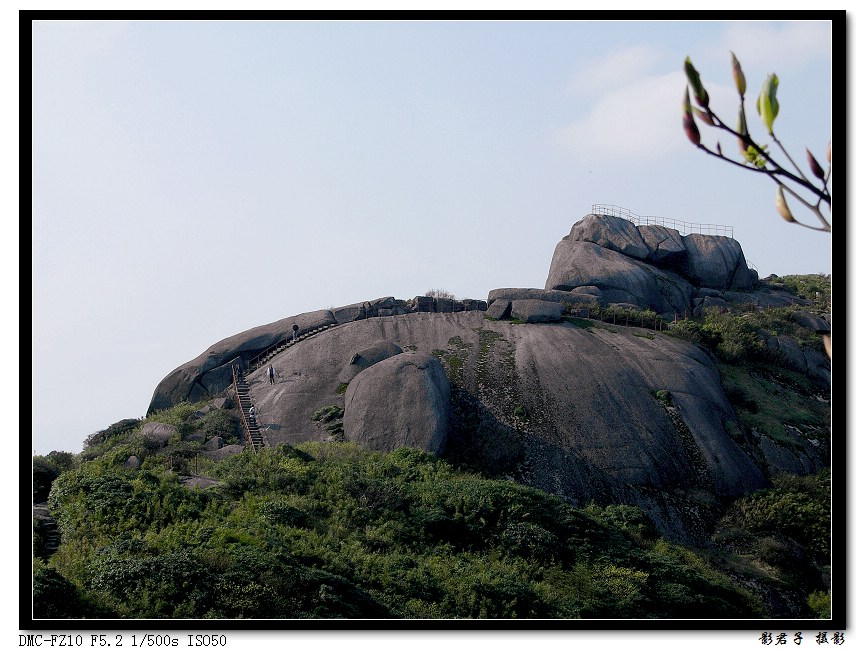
[329,530]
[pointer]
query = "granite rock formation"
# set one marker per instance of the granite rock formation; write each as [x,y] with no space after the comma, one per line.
[647,266]
[610,414]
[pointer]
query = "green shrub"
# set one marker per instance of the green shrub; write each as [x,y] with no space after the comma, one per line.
[44,473]
[54,596]
[797,507]
[630,519]
[281,513]
[809,286]
[220,423]
[328,413]
[820,603]
[113,431]
[617,592]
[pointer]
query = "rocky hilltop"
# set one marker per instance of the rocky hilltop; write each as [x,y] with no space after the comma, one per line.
[515,386]
[648,266]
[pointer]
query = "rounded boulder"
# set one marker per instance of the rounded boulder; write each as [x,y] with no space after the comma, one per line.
[403,401]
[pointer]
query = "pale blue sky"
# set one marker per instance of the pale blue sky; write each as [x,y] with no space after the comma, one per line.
[192,180]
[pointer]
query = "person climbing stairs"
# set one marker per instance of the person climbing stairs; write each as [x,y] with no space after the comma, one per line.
[265,356]
[247,411]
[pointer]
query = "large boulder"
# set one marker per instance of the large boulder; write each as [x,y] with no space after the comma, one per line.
[348,313]
[811,322]
[403,401]
[223,452]
[368,357]
[499,308]
[666,248]
[649,266]
[716,262]
[764,296]
[796,457]
[157,434]
[804,359]
[620,278]
[472,304]
[818,366]
[221,403]
[536,311]
[550,295]
[612,233]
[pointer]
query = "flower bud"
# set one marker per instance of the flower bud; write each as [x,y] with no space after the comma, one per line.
[816,169]
[686,103]
[783,208]
[704,116]
[691,129]
[767,102]
[700,94]
[742,129]
[829,152]
[738,76]
[688,122]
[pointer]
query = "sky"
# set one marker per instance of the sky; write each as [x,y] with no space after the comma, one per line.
[194,179]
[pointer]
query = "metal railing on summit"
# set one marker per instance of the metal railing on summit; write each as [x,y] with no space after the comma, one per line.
[684,227]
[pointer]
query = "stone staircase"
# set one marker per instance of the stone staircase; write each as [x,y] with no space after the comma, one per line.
[241,388]
[244,401]
[273,350]
[48,526]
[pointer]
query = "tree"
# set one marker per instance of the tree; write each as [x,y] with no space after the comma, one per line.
[815,196]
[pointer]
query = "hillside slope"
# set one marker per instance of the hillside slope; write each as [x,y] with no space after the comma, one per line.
[571,410]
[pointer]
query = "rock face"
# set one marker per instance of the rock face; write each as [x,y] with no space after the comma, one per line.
[612,233]
[570,410]
[666,248]
[646,266]
[210,373]
[368,357]
[716,262]
[812,322]
[590,413]
[403,401]
[533,294]
[536,311]
[803,359]
[587,266]
[499,309]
